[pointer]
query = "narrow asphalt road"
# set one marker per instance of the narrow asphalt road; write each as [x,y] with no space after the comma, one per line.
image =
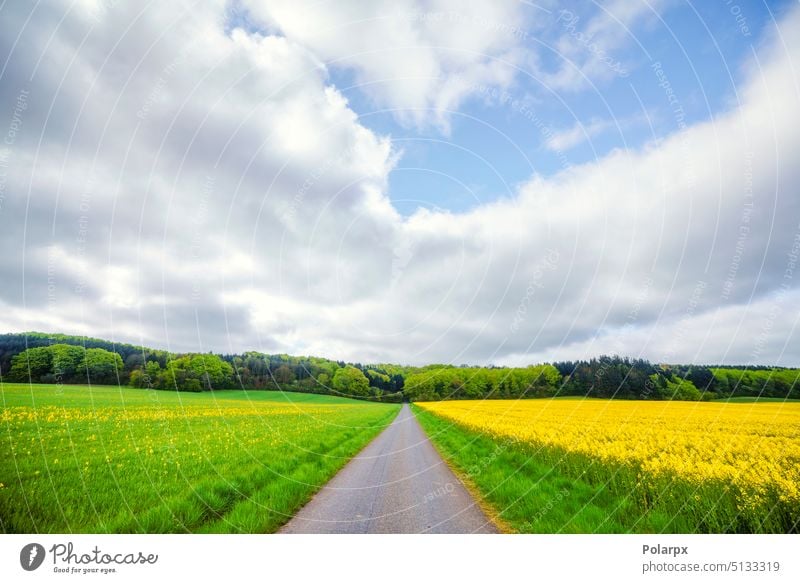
[397,484]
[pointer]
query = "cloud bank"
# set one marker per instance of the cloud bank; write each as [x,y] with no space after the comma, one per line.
[181,177]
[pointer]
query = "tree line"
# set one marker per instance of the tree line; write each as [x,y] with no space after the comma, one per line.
[59,358]
[438,382]
[132,355]
[65,363]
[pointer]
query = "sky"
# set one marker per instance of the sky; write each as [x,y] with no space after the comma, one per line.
[410,181]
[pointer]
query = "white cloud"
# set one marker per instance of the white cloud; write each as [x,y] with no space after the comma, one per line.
[761,332]
[174,151]
[588,48]
[420,59]
[577,134]
[226,196]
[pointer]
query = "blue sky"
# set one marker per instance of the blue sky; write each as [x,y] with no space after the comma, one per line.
[491,148]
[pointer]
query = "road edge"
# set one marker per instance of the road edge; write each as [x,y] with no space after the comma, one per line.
[503,526]
[322,486]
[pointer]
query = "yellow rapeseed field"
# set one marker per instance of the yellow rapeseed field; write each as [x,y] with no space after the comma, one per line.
[750,451]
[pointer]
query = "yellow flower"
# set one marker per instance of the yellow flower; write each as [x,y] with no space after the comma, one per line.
[750,448]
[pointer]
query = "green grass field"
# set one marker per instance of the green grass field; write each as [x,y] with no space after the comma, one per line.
[118,460]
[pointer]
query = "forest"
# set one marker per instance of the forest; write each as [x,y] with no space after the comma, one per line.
[59,358]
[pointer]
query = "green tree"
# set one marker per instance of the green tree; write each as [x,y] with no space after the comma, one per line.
[137,379]
[101,365]
[194,372]
[211,371]
[675,388]
[351,381]
[284,375]
[151,371]
[30,365]
[67,361]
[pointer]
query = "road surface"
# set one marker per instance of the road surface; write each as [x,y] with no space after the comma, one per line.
[397,484]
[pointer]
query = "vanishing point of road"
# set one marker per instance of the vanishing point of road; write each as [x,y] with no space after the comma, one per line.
[397,484]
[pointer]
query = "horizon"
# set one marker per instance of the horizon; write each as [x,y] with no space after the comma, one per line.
[402,364]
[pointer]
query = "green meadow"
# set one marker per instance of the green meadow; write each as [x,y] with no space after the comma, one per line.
[101,459]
